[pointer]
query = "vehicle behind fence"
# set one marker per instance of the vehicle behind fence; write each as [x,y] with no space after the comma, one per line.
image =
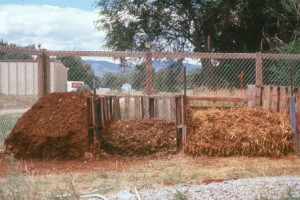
[26,74]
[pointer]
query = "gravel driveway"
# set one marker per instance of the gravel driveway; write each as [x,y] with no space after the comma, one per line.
[254,188]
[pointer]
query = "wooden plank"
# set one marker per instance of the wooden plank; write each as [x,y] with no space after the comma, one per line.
[89,111]
[137,108]
[165,108]
[266,96]
[97,120]
[251,96]
[214,99]
[102,111]
[293,117]
[142,108]
[274,98]
[116,108]
[178,110]
[107,108]
[156,107]
[283,99]
[151,107]
[146,108]
[110,103]
[173,108]
[154,54]
[127,108]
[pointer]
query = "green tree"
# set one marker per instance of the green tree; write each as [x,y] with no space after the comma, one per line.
[78,70]
[170,79]
[197,25]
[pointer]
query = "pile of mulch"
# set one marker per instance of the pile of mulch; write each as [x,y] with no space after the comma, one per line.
[140,137]
[238,131]
[55,127]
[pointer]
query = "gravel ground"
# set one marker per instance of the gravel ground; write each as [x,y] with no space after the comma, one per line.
[254,188]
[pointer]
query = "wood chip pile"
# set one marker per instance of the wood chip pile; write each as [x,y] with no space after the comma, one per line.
[140,137]
[238,131]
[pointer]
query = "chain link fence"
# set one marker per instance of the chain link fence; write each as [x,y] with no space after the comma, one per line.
[26,74]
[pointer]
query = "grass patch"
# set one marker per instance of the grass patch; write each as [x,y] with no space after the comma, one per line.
[7,122]
[25,179]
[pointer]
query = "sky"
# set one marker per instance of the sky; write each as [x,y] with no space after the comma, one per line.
[55,24]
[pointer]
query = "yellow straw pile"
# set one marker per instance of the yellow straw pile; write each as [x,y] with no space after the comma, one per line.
[238,131]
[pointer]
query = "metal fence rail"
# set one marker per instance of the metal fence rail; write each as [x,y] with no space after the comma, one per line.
[208,75]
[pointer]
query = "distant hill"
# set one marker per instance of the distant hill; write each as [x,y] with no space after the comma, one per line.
[102,67]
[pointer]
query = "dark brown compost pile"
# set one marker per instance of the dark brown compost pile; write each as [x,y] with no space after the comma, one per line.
[55,127]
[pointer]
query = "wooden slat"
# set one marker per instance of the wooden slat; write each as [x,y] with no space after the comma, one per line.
[266,96]
[151,107]
[251,96]
[283,99]
[165,109]
[156,107]
[142,108]
[102,111]
[274,98]
[146,107]
[89,111]
[127,108]
[137,108]
[173,108]
[179,110]
[116,107]
[110,103]
[214,99]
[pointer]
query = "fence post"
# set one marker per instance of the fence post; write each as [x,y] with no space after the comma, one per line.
[149,71]
[258,69]
[43,61]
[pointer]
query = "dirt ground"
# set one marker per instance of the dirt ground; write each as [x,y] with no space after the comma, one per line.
[111,174]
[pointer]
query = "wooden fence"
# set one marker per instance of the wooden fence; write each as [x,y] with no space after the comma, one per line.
[102,109]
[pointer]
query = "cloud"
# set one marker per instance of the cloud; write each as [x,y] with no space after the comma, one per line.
[53,27]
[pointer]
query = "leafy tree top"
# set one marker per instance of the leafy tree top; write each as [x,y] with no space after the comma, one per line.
[196,25]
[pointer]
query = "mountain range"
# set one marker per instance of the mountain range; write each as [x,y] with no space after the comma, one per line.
[102,67]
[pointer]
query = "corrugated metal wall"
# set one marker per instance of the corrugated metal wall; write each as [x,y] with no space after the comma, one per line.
[21,77]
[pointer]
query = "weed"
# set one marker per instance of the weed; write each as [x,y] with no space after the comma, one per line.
[180,195]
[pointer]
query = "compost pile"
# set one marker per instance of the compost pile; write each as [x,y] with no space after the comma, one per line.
[55,127]
[239,131]
[140,137]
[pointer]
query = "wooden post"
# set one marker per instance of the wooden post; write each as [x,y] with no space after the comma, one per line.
[149,71]
[293,120]
[110,107]
[258,69]
[266,97]
[165,113]
[146,108]
[274,98]
[97,115]
[151,107]
[127,108]
[90,119]
[43,73]
[117,114]
[156,107]
[254,96]
[283,99]
[173,107]
[137,108]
